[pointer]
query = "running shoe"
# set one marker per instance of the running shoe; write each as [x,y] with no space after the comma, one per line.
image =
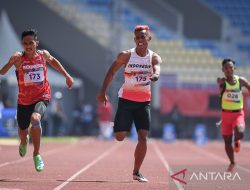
[139,177]
[237,146]
[39,165]
[23,147]
[230,168]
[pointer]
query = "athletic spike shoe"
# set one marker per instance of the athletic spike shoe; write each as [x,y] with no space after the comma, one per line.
[237,146]
[139,177]
[23,147]
[39,165]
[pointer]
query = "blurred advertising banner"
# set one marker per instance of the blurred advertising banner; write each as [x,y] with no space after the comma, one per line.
[195,101]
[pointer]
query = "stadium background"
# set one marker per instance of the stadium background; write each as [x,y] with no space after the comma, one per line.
[192,37]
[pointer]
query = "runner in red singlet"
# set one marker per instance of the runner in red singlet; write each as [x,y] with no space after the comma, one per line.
[34,91]
[141,66]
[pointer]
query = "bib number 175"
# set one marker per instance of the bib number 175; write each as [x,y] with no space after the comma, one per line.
[141,78]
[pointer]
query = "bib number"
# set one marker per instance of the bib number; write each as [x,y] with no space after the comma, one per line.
[33,77]
[233,96]
[140,78]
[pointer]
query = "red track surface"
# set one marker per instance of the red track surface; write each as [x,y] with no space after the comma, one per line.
[92,165]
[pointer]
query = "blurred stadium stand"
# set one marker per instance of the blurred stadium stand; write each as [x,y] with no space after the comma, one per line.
[62,39]
[236,12]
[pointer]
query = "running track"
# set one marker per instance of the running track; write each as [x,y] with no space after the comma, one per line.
[107,165]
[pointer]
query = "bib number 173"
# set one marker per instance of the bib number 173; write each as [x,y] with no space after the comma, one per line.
[33,77]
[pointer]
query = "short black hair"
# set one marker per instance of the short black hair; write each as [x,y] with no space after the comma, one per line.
[30,32]
[227,60]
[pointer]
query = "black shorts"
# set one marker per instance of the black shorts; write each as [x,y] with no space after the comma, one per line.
[129,111]
[24,112]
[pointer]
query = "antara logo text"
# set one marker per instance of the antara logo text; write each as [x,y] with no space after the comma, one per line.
[205,176]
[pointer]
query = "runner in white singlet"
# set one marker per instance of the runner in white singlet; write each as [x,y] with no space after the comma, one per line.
[141,66]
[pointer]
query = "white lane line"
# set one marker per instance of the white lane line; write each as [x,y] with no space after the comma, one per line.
[9,189]
[212,155]
[166,165]
[85,141]
[103,155]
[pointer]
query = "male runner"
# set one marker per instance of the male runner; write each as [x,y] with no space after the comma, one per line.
[233,121]
[34,91]
[141,66]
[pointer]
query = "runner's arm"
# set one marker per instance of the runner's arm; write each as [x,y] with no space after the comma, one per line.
[15,58]
[245,83]
[156,61]
[121,59]
[58,66]
[221,83]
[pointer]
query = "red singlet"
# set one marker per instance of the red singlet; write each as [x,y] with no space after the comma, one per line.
[32,80]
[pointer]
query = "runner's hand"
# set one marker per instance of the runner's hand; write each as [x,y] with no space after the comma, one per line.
[154,77]
[220,80]
[69,81]
[101,97]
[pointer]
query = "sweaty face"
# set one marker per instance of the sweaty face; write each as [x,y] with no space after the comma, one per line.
[142,38]
[228,69]
[29,44]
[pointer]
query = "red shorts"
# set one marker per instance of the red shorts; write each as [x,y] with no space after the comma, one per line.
[230,120]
